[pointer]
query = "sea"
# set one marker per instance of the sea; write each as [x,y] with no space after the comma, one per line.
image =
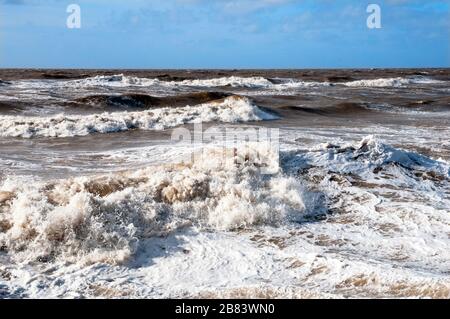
[225,183]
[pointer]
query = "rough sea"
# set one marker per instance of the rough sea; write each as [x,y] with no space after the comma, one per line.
[100,197]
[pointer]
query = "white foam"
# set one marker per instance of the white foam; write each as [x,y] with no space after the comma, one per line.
[251,82]
[390,203]
[234,81]
[231,110]
[231,232]
[370,152]
[103,218]
[391,82]
[228,265]
[122,81]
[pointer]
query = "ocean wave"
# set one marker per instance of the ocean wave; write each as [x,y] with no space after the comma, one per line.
[369,154]
[104,218]
[232,81]
[123,81]
[389,202]
[256,82]
[231,110]
[365,218]
[392,82]
[118,80]
[139,101]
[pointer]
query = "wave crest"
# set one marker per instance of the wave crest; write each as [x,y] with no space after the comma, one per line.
[231,110]
[104,218]
[392,82]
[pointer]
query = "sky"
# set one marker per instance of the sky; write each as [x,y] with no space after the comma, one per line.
[224,34]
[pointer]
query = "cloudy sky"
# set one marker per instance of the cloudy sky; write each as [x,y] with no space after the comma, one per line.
[224,34]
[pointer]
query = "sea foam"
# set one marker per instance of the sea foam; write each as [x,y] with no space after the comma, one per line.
[231,110]
[104,218]
[384,232]
[392,82]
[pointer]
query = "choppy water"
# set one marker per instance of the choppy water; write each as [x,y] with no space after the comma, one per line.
[97,201]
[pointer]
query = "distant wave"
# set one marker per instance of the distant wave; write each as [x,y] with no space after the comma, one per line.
[232,81]
[392,82]
[232,109]
[121,80]
[136,100]
[247,82]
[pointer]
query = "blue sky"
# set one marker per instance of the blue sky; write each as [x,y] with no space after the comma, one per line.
[224,34]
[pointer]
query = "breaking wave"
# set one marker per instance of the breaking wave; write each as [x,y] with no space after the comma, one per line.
[231,110]
[231,81]
[280,84]
[104,218]
[139,101]
[256,82]
[364,157]
[120,81]
[392,82]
